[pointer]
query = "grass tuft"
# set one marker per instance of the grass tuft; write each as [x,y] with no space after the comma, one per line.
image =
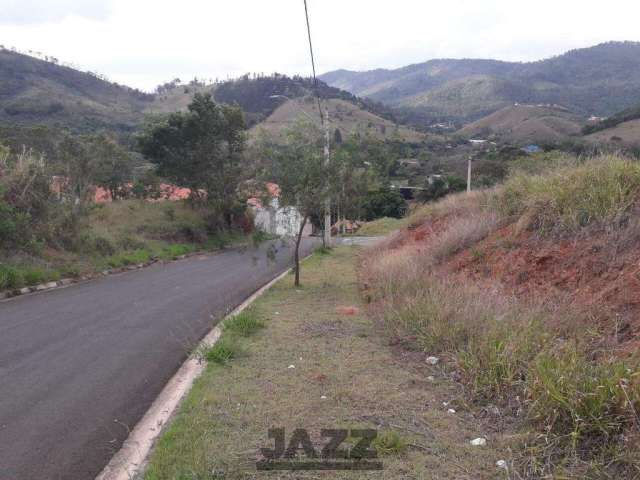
[224,350]
[390,443]
[245,324]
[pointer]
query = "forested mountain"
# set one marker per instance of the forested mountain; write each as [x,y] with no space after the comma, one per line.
[600,80]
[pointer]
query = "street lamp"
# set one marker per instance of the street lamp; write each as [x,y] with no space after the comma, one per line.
[327,142]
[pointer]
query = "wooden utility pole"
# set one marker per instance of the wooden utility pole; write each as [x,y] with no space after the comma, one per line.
[469,176]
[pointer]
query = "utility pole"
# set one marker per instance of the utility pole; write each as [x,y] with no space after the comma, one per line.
[469,177]
[327,160]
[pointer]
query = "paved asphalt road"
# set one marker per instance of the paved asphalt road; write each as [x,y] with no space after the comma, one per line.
[79,366]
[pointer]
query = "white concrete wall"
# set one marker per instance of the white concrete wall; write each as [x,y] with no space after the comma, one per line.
[279,221]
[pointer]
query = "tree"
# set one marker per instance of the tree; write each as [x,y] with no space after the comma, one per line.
[114,166]
[79,166]
[299,169]
[383,203]
[202,150]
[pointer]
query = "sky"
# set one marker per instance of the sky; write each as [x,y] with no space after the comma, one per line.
[143,43]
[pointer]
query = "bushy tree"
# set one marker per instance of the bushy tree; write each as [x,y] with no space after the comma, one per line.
[201,149]
[113,166]
[383,203]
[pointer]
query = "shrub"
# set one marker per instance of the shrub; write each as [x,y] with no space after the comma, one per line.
[103,246]
[384,203]
[9,278]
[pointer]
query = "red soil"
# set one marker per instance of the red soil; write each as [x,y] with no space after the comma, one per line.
[585,272]
[591,271]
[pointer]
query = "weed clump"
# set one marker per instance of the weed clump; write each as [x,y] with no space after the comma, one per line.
[390,443]
[244,324]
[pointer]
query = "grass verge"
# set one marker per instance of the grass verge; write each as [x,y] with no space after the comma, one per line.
[312,359]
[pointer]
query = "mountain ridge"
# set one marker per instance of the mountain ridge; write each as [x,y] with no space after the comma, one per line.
[599,80]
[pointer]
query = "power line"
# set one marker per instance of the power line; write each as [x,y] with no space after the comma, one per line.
[313,62]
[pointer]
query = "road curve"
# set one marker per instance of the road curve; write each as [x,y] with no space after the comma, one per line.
[79,366]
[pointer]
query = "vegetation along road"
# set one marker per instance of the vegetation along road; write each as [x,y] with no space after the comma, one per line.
[79,366]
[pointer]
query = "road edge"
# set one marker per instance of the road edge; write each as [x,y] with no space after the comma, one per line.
[132,457]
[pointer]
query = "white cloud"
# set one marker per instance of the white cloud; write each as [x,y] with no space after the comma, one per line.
[145,42]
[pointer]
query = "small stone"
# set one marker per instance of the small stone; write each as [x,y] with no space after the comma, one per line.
[444,404]
[277,313]
[451,410]
[105,272]
[65,281]
[51,285]
[323,397]
[25,290]
[501,464]
[291,367]
[479,442]
[431,378]
[433,360]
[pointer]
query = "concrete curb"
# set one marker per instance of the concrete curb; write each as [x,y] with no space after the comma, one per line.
[132,457]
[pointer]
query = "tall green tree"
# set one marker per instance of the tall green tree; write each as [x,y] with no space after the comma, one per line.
[201,149]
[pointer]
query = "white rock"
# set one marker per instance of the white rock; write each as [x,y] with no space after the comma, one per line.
[291,366]
[501,464]
[323,397]
[277,313]
[433,360]
[451,410]
[479,442]
[444,404]
[430,378]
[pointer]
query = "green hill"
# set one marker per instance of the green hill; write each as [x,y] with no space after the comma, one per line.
[347,117]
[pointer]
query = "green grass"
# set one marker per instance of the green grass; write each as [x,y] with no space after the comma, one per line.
[381,227]
[223,351]
[600,191]
[244,324]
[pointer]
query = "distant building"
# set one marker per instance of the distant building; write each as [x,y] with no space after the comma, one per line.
[477,141]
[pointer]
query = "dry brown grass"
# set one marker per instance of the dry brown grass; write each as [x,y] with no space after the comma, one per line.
[534,358]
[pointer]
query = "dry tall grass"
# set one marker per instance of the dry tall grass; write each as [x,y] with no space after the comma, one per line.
[532,358]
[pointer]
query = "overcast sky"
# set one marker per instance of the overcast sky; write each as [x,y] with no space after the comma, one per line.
[146,42]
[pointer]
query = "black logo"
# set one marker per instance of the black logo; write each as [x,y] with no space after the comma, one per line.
[344,449]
